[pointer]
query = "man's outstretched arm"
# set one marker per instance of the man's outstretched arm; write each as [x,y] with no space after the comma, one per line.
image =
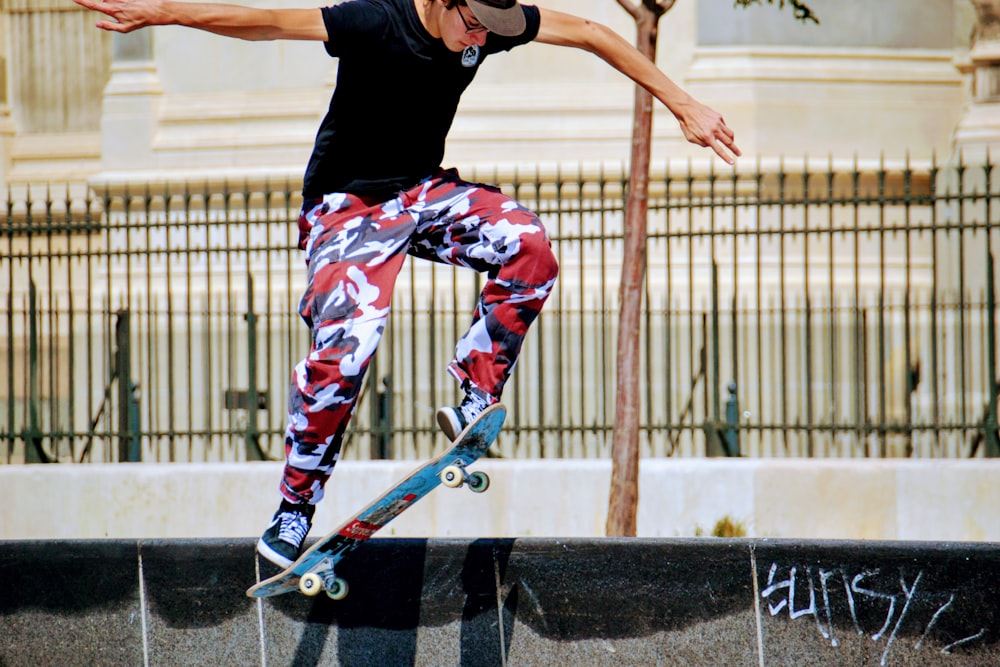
[701,125]
[228,20]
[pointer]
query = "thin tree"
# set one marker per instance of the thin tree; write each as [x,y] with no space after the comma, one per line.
[624,500]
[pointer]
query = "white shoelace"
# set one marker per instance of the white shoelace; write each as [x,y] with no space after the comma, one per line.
[472,406]
[293,527]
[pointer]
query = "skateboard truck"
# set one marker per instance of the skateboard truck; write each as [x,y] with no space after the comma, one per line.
[312,583]
[456,475]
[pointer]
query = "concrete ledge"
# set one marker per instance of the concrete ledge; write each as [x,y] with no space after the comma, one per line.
[787,498]
[495,601]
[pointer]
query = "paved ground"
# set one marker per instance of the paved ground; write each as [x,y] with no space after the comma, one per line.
[508,602]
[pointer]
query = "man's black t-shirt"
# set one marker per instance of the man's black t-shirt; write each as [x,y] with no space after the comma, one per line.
[397,92]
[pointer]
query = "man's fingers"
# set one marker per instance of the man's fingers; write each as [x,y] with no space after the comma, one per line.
[726,137]
[103,7]
[717,146]
[714,134]
[730,141]
[113,26]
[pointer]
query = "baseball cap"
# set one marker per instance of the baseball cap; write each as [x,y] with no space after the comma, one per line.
[504,17]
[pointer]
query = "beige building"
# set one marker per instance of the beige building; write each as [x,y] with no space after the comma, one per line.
[875,78]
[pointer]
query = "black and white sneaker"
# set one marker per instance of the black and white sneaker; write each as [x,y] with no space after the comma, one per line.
[282,541]
[454,420]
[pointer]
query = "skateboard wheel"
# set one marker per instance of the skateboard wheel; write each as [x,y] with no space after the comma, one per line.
[452,477]
[311,584]
[479,482]
[337,589]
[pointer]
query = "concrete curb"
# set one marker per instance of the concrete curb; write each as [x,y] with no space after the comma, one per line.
[855,499]
[509,601]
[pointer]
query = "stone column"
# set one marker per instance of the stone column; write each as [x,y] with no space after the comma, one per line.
[131,104]
[7,129]
[979,129]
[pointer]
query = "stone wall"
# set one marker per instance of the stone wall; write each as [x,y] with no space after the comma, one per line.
[951,500]
[700,603]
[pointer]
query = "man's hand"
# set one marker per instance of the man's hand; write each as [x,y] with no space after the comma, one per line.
[704,126]
[127,15]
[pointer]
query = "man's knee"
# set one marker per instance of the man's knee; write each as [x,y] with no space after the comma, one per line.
[535,255]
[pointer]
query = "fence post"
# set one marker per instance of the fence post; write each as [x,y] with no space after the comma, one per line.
[715,382]
[11,436]
[32,434]
[992,449]
[253,448]
[128,411]
[381,444]
[732,434]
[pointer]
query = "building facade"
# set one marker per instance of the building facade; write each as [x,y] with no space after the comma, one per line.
[151,275]
[888,78]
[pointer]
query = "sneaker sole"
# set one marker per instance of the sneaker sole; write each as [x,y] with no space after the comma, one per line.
[272,556]
[446,425]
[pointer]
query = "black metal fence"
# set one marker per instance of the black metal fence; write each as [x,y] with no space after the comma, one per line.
[819,309]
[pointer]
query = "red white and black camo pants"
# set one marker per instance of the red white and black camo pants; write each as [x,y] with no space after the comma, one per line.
[354,252]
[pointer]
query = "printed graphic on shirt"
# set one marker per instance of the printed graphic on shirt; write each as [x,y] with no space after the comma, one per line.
[470,57]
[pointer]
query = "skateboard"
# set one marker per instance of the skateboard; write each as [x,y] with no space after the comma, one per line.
[313,572]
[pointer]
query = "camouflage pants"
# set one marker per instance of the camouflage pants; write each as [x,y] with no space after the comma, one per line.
[354,252]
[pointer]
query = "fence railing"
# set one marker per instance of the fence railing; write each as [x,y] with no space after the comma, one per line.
[817,309]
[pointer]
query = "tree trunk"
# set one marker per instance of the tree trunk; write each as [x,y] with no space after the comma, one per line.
[624,500]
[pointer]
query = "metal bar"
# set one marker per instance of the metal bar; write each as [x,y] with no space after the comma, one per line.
[882,356]
[908,382]
[934,314]
[807,331]
[71,379]
[860,367]
[51,328]
[992,448]
[783,307]
[991,436]
[759,393]
[833,366]
[716,385]
[190,251]
[11,436]
[962,363]
[734,350]
[668,316]
[607,346]
[691,308]
[33,452]
[123,370]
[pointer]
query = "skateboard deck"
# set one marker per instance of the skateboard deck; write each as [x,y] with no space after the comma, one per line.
[314,570]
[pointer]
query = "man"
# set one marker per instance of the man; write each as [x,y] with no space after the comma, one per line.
[374,192]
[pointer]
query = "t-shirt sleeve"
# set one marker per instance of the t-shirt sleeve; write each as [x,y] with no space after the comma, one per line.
[351,24]
[532,18]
